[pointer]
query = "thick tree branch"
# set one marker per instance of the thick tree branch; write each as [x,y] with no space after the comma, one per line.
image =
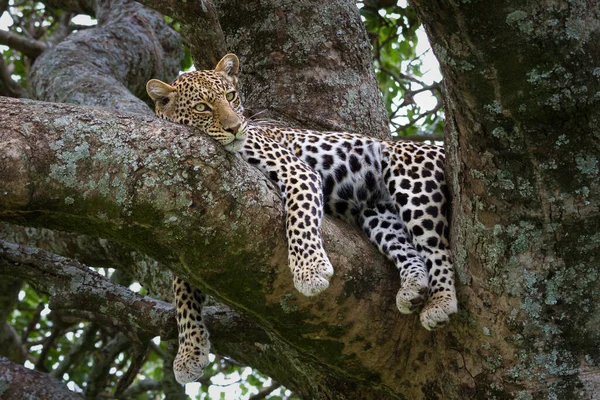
[93,67]
[74,286]
[77,6]
[200,27]
[223,232]
[97,253]
[18,382]
[63,29]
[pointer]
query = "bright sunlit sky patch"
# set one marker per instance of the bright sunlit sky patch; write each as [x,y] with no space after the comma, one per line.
[431,70]
[5,22]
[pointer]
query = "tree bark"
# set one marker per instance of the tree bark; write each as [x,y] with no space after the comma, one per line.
[18,382]
[98,253]
[109,65]
[523,111]
[199,26]
[306,62]
[94,172]
[72,286]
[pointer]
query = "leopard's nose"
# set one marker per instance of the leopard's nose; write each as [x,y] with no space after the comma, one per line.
[233,129]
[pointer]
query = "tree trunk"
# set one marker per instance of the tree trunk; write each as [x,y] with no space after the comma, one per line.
[523,117]
[306,62]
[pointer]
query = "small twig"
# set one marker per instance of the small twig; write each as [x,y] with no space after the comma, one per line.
[137,360]
[18,22]
[398,77]
[146,385]
[8,87]
[49,343]
[28,46]
[160,352]
[103,360]
[419,117]
[32,322]
[85,342]
[264,392]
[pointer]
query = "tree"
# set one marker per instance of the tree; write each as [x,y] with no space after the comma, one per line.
[521,92]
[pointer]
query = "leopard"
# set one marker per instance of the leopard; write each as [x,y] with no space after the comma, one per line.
[395,191]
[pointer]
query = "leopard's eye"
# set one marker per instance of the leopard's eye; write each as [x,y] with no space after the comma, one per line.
[202,107]
[230,96]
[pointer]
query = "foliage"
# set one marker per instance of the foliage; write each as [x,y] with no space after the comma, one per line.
[394,33]
[91,357]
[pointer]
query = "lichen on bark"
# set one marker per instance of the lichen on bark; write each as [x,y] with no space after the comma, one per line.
[522,150]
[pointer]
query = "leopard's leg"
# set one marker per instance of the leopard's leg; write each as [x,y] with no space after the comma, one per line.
[430,231]
[421,198]
[194,346]
[302,194]
[387,231]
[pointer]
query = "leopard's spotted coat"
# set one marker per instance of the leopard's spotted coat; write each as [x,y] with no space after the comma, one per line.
[395,191]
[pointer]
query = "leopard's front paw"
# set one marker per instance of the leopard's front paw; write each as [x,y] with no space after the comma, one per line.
[438,310]
[314,278]
[192,355]
[189,366]
[411,296]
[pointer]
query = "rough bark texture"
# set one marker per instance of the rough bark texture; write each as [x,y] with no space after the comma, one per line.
[523,108]
[306,62]
[199,25]
[18,382]
[109,65]
[72,286]
[160,189]
[98,253]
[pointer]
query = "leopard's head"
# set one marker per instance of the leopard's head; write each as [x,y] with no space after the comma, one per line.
[207,100]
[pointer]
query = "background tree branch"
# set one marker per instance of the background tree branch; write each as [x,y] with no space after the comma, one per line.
[74,286]
[20,382]
[27,46]
[130,45]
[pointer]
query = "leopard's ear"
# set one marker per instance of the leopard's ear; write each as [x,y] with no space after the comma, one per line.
[158,89]
[229,67]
